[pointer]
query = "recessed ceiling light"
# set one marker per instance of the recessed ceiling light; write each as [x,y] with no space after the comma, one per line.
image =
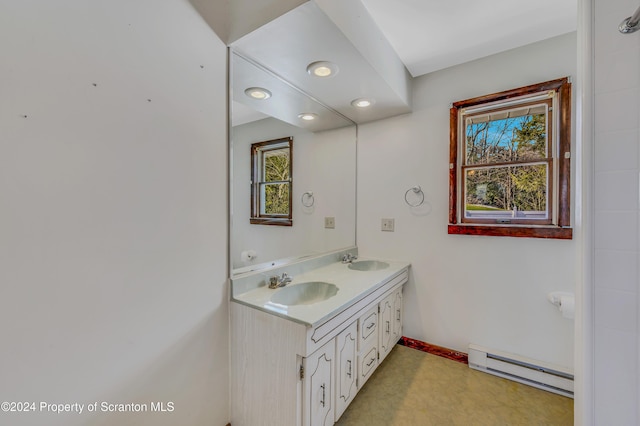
[258,93]
[362,102]
[308,116]
[322,69]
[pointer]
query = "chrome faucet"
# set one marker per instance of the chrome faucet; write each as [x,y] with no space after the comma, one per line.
[348,258]
[276,281]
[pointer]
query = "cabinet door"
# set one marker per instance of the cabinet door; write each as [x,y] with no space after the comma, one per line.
[346,368]
[318,409]
[386,326]
[397,316]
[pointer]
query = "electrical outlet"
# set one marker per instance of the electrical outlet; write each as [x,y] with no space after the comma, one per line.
[388,224]
[330,222]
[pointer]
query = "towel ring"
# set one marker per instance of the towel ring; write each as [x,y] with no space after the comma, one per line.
[307,199]
[416,190]
[631,24]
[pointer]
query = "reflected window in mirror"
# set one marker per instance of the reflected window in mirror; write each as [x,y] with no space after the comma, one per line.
[271,181]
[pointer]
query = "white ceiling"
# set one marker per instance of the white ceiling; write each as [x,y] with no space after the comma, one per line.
[429,35]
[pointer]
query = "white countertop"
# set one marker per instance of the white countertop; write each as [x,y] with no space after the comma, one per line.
[352,286]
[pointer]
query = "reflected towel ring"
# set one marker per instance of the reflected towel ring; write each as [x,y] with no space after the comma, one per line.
[307,199]
[416,190]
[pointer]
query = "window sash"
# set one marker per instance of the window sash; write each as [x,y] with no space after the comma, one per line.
[513,215]
[263,198]
[498,114]
[269,153]
[518,108]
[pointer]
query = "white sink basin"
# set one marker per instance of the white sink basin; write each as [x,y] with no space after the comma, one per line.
[368,265]
[306,293]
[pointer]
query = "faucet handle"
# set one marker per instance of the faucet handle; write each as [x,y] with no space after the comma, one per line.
[273,281]
[285,279]
[348,257]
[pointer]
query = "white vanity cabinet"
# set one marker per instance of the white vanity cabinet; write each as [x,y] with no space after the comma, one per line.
[390,322]
[346,368]
[286,373]
[318,407]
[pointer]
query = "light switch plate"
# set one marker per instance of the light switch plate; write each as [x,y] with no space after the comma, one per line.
[330,222]
[387,224]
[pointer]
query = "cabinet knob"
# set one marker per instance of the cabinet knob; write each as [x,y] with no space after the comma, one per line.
[322,400]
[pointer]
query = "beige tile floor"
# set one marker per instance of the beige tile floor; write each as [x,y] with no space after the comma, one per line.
[415,388]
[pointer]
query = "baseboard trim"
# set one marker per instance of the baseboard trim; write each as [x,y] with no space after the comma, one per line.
[434,349]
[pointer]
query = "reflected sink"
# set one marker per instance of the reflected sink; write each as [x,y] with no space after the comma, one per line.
[306,293]
[368,265]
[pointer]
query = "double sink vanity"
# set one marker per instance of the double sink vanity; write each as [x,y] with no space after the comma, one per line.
[300,351]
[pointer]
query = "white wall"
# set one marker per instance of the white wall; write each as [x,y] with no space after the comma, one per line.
[616,238]
[113,217]
[323,162]
[464,289]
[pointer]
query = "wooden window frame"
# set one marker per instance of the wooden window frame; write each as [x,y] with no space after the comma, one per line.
[257,155]
[559,164]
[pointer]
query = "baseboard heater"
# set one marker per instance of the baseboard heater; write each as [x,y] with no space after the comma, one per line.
[520,369]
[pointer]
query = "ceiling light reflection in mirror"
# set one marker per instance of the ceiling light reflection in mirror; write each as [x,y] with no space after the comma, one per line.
[362,102]
[284,101]
[307,116]
[257,93]
[322,69]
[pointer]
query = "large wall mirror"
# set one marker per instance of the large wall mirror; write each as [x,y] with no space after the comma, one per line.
[309,62]
[323,178]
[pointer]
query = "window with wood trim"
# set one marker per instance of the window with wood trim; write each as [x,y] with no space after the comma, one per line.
[509,163]
[271,181]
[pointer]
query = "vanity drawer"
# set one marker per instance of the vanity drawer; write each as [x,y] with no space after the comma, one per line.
[367,364]
[368,327]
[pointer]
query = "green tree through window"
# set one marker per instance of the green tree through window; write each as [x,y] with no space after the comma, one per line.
[276,170]
[509,140]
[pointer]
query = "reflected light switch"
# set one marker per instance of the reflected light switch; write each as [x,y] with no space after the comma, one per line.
[330,222]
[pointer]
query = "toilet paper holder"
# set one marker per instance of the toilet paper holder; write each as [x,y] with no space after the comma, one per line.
[248,255]
[556,298]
